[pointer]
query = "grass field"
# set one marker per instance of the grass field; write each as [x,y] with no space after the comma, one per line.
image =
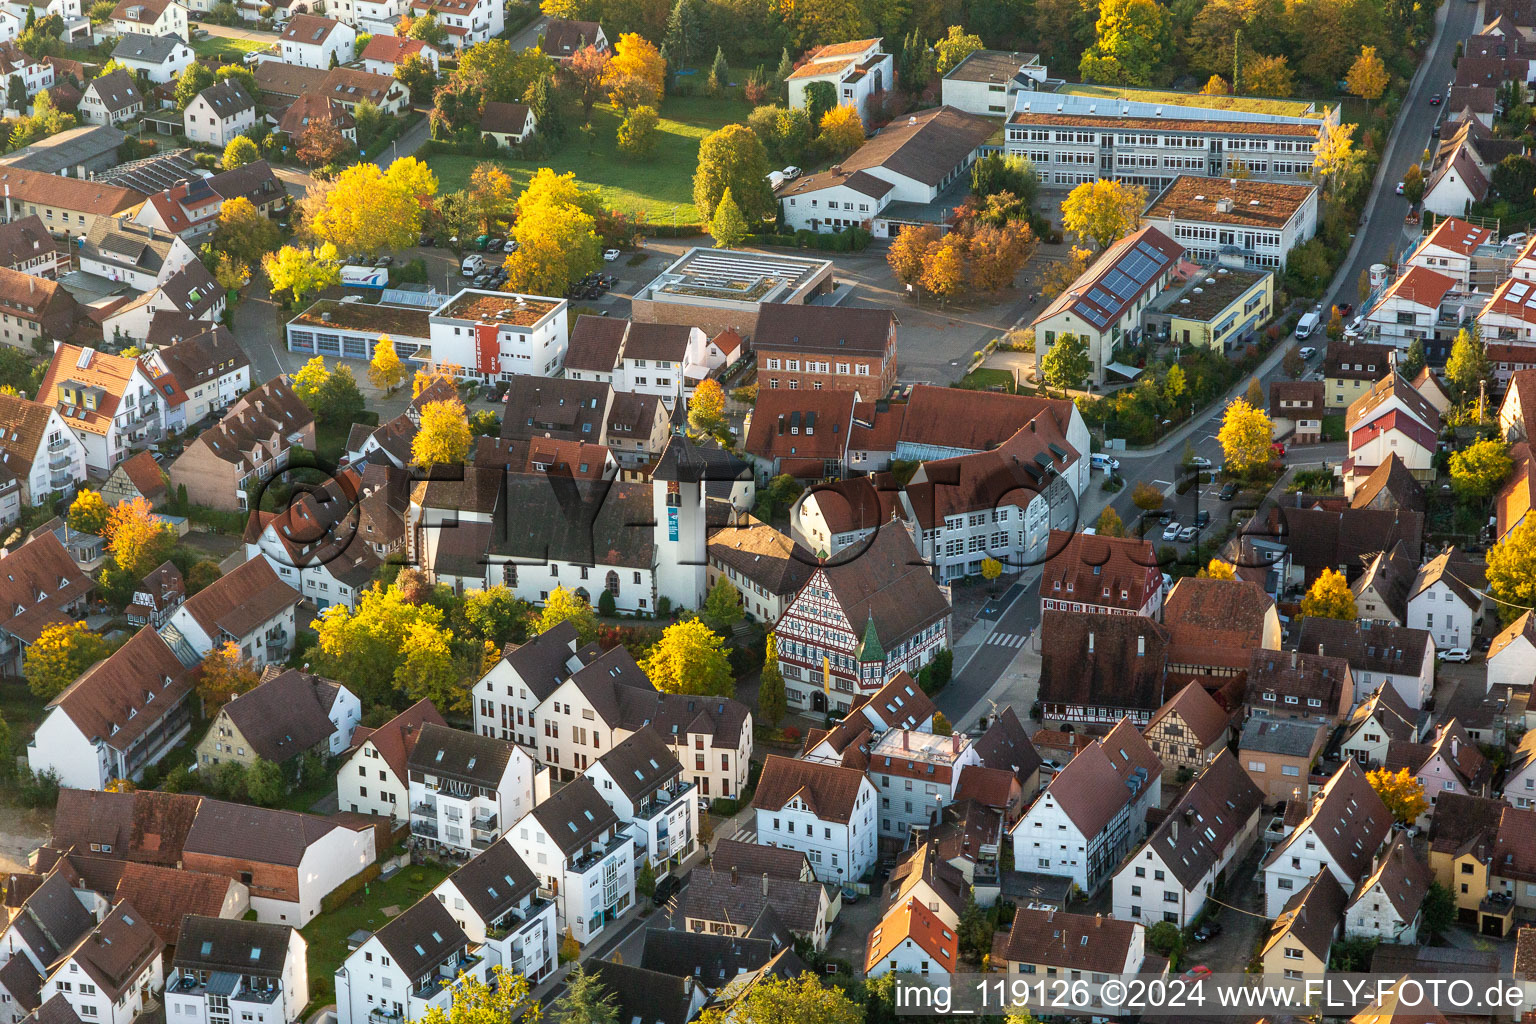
[660,188]
[327,933]
[1247,104]
[215,45]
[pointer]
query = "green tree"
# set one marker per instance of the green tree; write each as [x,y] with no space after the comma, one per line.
[263,783]
[733,159]
[786,67]
[1066,364]
[996,173]
[645,880]
[719,74]
[564,606]
[1330,598]
[88,512]
[1131,45]
[1412,363]
[192,81]
[722,606]
[685,29]
[690,658]
[727,226]
[1512,570]
[1165,938]
[339,399]
[544,100]
[1439,909]
[585,1001]
[957,45]
[1478,470]
[1413,184]
[59,655]
[239,152]
[1468,365]
[637,132]
[772,702]
[820,97]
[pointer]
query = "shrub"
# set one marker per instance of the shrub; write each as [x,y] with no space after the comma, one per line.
[791,733]
[338,896]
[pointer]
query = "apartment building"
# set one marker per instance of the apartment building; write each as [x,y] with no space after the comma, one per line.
[1236,221]
[223,966]
[826,811]
[917,774]
[465,789]
[495,899]
[643,781]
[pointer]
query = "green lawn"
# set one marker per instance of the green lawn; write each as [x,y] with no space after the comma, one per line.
[23,711]
[1248,104]
[659,188]
[327,933]
[1333,427]
[215,45]
[984,379]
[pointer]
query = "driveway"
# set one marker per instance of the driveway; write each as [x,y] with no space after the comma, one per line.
[238,32]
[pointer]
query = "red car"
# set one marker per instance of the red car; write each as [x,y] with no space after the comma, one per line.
[1277,449]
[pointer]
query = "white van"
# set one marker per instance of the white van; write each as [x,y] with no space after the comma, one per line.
[1103,462]
[473,264]
[1307,324]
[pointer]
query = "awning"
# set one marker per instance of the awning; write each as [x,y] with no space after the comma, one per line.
[1128,372]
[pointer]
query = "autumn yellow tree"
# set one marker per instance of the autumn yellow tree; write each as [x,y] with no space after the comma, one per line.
[231,273]
[444,437]
[1245,435]
[309,379]
[1103,210]
[492,194]
[842,131]
[1218,570]
[1268,76]
[371,211]
[88,512]
[386,371]
[224,674]
[300,271]
[690,658]
[706,409]
[563,605]
[434,373]
[635,59]
[1109,524]
[906,253]
[138,539]
[1368,77]
[944,268]
[1329,598]
[1401,791]
[58,656]
[1336,162]
[1055,278]
[1215,86]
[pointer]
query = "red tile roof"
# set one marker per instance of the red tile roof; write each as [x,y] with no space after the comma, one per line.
[1080,567]
[912,920]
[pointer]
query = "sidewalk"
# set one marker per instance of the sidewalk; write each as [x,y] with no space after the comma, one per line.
[1017,687]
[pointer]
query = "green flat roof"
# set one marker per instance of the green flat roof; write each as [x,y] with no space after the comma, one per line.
[1247,104]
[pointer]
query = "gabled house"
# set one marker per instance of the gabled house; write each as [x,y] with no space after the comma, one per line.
[310,108]
[826,811]
[250,443]
[916,774]
[1390,487]
[1449,763]
[1397,656]
[349,86]
[1419,305]
[754,860]
[1518,406]
[923,874]
[856,70]
[158,59]
[375,777]
[732,902]
[563,37]
[50,920]
[111,99]
[581,852]
[1207,620]
[1345,827]
[219,113]
[282,718]
[263,965]
[1512,655]
[121,957]
[1097,668]
[39,449]
[637,992]
[110,403]
[138,255]
[1446,599]
[1304,929]
[911,939]
[1386,905]
[209,366]
[314,544]
[156,597]
[142,827]
[1351,369]
[1213,825]
[1079,947]
[1382,719]
[385,53]
[466,789]
[1092,812]
[507,124]
[643,782]
[249,607]
[314,42]
[1296,408]
[151,17]
[291,861]
[138,476]
[1106,575]
[1189,732]
[496,899]
[1518,495]
[28,248]
[766,566]
[123,714]
[410,966]
[1392,418]
[1288,684]
[1381,592]
[508,695]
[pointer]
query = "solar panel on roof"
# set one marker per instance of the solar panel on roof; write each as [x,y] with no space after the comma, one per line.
[1118,283]
[1153,254]
[1102,299]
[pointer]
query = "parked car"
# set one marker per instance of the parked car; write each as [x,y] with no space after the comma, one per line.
[1345,308]
[1456,654]
[1187,534]
[426,241]
[482,242]
[513,245]
[850,894]
[384,261]
[1202,519]
[1307,351]
[790,173]
[1228,490]
[1165,515]
[1277,449]
[1104,462]
[1171,532]
[665,890]
[1208,931]
[1200,462]
[609,255]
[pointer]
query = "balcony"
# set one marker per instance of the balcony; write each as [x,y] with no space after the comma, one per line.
[60,445]
[263,996]
[424,827]
[446,973]
[59,460]
[60,480]
[484,821]
[381,1016]
[426,804]
[664,800]
[595,854]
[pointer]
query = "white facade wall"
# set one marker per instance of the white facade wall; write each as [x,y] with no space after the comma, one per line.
[839,852]
[204,124]
[366,784]
[70,981]
[1437,609]
[588,898]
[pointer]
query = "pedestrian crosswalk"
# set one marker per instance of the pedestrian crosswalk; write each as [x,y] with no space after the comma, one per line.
[1008,639]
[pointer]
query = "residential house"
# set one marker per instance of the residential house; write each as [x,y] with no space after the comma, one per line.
[1103,575]
[924,874]
[27,247]
[123,714]
[151,17]
[917,774]
[291,861]
[34,309]
[210,367]
[1278,754]
[466,789]
[1512,655]
[142,827]
[1390,488]
[1420,305]
[1392,418]
[911,939]
[311,41]
[1461,170]
[856,70]
[68,207]
[314,544]
[139,255]
[1243,222]
[987,81]
[1189,732]
[50,920]
[1381,592]
[507,697]
[158,59]
[310,108]
[249,607]
[1451,249]
[1213,625]
[495,899]
[467,21]
[349,86]
[138,476]
[412,965]
[38,447]
[1304,929]
[1212,826]
[1006,747]
[1351,369]
[836,348]
[1085,948]
[1104,306]
[1381,719]
[1518,405]
[642,780]
[219,113]
[764,565]
[1386,906]
[860,620]
[1296,408]
[753,860]
[282,718]
[638,992]
[825,810]
[375,777]
[250,443]
[582,855]
[731,902]
[1397,656]
[1346,826]
[1098,669]
[156,597]
[802,433]
[1518,495]
[263,965]
[1446,600]
[1448,763]
[562,37]
[1290,684]
[507,124]
[121,956]
[1092,812]
[385,53]
[112,99]
[190,208]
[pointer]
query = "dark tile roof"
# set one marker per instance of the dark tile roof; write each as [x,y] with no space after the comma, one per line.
[1280,736]
[40,580]
[1216,613]
[286,715]
[648,996]
[1199,712]
[543,662]
[1101,660]
[1312,916]
[1356,362]
[55,1011]
[225,944]
[753,860]
[1368,648]
[763,555]
[257,834]
[899,704]
[710,959]
[1400,876]
[559,407]
[240,601]
[827,790]
[1068,942]
[1390,574]
[422,937]
[1096,569]
[1390,486]
[791,327]
[886,581]
[52,919]
[20,979]
[166,895]
[563,36]
[925,146]
[595,343]
[114,953]
[1462,823]
[574,816]
[495,881]
[143,826]
[1306,677]
[460,756]
[739,898]
[641,764]
[1347,818]
[589,522]
[1206,820]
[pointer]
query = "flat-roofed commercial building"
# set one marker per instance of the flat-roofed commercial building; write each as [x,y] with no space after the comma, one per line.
[720,289]
[349,330]
[1236,221]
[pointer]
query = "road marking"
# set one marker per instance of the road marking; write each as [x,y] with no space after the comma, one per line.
[1014,640]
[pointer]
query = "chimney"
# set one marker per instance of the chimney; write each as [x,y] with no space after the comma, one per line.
[1090,641]
[765,883]
[1455,745]
[905,740]
[1098,920]
[1293,659]
[1173,829]
[954,743]
[735,874]
[1319,650]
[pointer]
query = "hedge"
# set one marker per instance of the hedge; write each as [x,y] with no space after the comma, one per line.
[851,239]
[345,891]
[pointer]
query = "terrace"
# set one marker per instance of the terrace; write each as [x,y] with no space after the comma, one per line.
[498,308]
